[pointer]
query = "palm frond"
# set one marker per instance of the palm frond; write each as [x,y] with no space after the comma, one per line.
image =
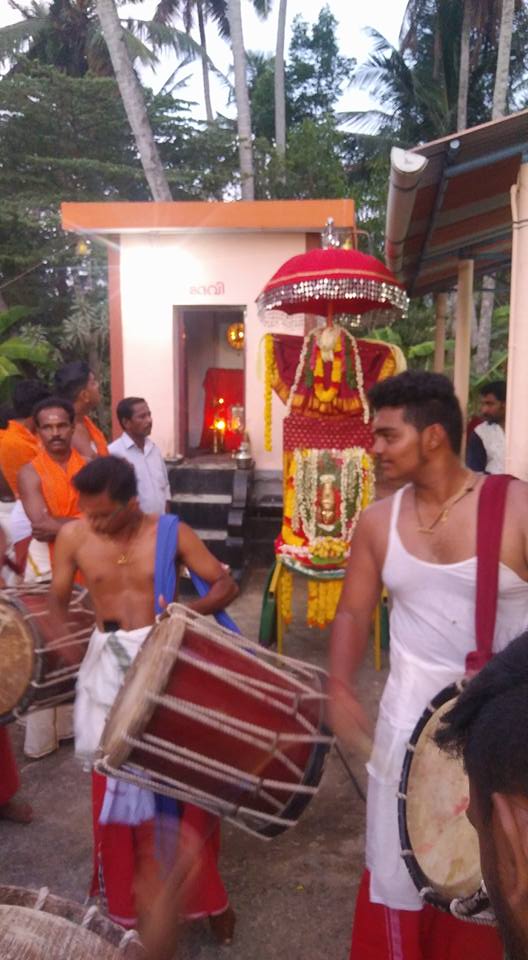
[262,8]
[17,37]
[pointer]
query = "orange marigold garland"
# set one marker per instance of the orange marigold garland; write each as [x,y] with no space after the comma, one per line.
[285,595]
[323,598]
[269,360]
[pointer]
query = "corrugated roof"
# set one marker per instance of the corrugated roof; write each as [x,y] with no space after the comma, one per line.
[462,204]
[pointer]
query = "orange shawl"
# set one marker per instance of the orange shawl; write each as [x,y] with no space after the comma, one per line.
[18,447]
[96,436]
[62,499]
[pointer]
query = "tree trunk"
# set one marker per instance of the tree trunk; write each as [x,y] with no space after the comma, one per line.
[245,143]
[463,75]
[500,96]
[280,92]
[502,72]
[205,66]
[133,101]
[482,356]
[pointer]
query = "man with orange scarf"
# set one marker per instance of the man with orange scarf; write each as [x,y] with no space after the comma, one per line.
[78,384]
[49,500]
[19,446]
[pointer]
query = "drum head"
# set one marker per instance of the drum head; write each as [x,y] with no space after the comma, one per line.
[39,926]
[132,709]
[17,658]
[36,936]
[440,845]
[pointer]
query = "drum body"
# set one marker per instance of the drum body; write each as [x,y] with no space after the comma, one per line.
[215,720]
[36,669]
[439,845]
[37,926]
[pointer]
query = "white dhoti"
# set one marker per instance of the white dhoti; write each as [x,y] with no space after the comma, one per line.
[102,672]
[100,677]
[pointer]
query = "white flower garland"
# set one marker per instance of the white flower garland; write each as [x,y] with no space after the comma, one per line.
[355,475]
[360,380]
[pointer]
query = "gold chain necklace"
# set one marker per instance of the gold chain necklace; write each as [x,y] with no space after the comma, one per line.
[469,485]
[123,557]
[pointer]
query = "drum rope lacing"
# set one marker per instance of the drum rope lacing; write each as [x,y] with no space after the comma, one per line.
[42,896]
[215,768]
[241,729]
[238,681]
[224,772]
[187,794]
[227,640]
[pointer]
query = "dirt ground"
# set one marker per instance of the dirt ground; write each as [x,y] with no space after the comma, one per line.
[293,896]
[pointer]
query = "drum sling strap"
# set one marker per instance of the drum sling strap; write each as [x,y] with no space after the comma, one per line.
[490,518]
[165,569]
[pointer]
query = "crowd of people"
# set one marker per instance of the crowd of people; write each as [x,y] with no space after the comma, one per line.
[85,510]
[89,513]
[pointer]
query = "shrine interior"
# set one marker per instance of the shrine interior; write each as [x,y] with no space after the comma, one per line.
[212,362]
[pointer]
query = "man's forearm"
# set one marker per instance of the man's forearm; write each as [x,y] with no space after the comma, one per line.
[222,592]
[350,634]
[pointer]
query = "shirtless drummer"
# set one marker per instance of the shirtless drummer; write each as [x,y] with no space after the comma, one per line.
[117,547]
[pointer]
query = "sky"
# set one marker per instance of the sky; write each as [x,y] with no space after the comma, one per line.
[352,16]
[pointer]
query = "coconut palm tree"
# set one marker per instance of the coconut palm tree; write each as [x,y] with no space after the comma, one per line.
[67,34]
[133,99]
[205,10]
[280,84]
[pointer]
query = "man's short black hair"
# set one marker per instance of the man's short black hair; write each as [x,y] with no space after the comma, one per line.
[426,398]
[497,388]
[6,414]
[112,475]
[26,395]
[71,379]
[50,402]
[487,726]
[125,408]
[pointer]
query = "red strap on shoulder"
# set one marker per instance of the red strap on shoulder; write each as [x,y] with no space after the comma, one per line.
[490,518]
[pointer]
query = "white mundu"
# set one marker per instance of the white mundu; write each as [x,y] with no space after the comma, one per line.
[432,629]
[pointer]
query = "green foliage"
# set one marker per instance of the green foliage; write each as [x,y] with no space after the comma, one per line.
[316,71]
[20,355]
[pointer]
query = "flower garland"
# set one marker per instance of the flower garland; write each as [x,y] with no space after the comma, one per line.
[269,360]
[285,595]
[307,361]
[356,479]
[323,598]
[300,368]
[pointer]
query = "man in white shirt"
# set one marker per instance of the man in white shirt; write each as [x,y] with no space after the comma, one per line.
[135,446]
[486,449]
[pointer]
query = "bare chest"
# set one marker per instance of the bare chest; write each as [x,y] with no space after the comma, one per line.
[116,566]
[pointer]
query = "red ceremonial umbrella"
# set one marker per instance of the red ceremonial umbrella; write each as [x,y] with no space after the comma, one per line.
[333,280]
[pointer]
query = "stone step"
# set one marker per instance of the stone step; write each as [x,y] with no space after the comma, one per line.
[201,497]
[211,534]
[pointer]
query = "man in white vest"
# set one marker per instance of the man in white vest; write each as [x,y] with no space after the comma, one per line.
[487,444]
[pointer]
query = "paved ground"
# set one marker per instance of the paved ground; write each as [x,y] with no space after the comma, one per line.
[293,896]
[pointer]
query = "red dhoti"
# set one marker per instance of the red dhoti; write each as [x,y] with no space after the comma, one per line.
[9,779]
[128,873]
[380,933]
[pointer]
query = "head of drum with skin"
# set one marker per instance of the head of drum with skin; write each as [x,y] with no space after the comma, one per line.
[108,495]
[417,423]
[54,424]
[487,727]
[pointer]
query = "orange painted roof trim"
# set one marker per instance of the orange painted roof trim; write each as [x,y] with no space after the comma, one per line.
[279,216]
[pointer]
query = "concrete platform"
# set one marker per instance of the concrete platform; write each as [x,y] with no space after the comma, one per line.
[294,895]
